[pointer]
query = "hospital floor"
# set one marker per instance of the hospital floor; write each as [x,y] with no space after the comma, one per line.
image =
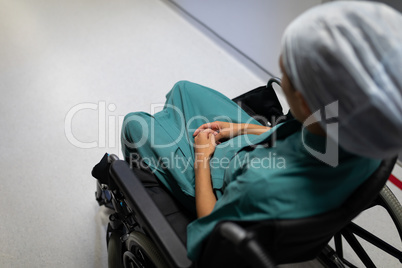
[69,72]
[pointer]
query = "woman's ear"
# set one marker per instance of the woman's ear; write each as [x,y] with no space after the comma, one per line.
[305,110]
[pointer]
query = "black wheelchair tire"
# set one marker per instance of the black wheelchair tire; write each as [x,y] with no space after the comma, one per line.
[114,251]
[138,241]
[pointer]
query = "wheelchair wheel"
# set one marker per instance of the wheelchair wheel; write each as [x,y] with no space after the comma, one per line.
[142,253]
[114,251]
[390,203]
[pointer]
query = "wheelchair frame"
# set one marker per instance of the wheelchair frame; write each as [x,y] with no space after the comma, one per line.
[157,245]
[129,217]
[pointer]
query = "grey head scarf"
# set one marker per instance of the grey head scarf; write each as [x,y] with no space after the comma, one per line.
[350,52]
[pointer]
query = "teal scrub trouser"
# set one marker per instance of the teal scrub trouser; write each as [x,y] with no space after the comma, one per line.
[167,136]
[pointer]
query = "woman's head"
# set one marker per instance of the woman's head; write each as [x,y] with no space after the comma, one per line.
[350,54]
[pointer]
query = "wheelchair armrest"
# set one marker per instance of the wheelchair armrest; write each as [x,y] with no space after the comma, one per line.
[232,245]
[148,215]
[246,244]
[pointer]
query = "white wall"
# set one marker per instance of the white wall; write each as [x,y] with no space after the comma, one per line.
[252,27]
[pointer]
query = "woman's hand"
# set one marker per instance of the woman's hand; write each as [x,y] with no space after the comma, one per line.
[205,144]
[205,199]
[222,130]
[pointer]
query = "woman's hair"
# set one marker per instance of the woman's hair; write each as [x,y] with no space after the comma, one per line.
[349,54]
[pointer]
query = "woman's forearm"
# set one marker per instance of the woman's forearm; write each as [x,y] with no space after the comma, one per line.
[204,195]
[253,129]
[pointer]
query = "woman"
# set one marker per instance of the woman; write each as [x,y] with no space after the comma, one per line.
[342,66]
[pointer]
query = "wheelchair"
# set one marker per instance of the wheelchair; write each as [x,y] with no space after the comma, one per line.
[139,235]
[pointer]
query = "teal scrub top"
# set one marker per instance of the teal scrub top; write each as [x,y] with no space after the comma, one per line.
[252,181]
